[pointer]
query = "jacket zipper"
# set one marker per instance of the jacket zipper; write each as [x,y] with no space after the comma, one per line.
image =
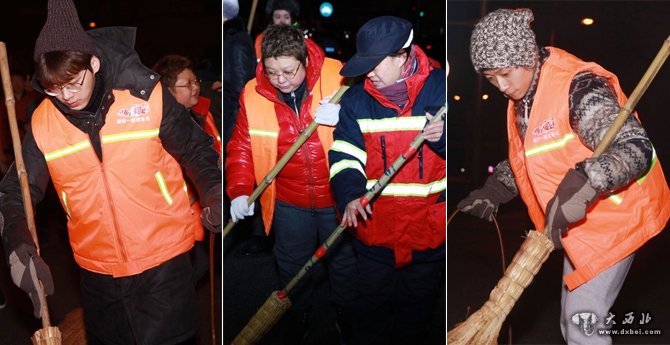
[420,153]
[119,238]
[305,153]
[382,140]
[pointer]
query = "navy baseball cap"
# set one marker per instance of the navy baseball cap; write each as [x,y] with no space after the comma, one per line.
[375,40]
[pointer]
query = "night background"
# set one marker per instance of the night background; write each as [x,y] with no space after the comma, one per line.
[185,27]
[624,39]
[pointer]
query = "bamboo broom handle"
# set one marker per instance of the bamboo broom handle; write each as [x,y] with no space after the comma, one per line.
[20,167]
[630,104]
[365,200]
[277,304]
[252,15]
[284,159]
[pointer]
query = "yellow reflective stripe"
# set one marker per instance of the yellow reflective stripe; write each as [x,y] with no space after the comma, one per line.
[616,199]
[552,145]
[263,133]
[654,159]
[134,135]
[49,156]
[404,123]
[346,164]
[67,207]
[411,189]
[163,187]
[345,147]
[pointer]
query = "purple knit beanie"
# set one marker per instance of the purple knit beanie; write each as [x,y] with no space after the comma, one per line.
[63,31]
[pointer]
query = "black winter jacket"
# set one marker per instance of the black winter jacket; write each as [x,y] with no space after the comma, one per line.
[121,69]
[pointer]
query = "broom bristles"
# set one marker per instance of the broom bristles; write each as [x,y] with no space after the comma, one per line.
[484,325]
[266,317]
[47,336]
[72,328]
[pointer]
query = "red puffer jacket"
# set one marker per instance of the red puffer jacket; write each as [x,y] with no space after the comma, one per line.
[304,181]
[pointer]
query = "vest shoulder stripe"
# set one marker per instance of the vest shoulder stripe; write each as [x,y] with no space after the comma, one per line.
[550,146]
[405,123]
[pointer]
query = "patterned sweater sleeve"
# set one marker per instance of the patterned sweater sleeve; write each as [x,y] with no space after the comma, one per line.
[593,109]
[504,174]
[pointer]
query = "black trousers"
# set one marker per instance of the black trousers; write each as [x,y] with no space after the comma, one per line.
[157,306]
[395,305]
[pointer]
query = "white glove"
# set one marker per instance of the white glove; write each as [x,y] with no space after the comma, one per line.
[239,208]
[327,113]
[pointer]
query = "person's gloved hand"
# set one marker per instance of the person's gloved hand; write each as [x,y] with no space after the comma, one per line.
[327,113]
[573,196]
[27,270]
[211,213]
[239,208]
[484,202]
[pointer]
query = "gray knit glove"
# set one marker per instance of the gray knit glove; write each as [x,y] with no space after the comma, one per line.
[573,196]
[27,270]
[484,202]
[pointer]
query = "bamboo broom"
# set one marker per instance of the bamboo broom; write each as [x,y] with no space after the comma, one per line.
[48,335]
[278,302]
[284,159]
[482,327]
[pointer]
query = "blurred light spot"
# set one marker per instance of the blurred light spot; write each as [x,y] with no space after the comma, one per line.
[457,98]
[587,21]
[462,170]
[490,169]
[92,24]
[485,96]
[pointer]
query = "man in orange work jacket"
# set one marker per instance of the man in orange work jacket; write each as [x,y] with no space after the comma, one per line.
[114,143]
[292,80]
[599,210]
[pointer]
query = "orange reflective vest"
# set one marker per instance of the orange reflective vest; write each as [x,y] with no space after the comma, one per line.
[617,224]
[130,212]
[264,131]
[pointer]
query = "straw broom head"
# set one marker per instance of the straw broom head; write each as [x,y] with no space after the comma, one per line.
[482,327]
[47,336]
[264,319]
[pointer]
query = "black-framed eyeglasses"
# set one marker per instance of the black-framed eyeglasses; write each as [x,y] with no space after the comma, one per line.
[72,87]
[287,75]
[191,83]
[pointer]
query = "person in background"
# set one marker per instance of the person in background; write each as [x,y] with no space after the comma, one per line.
[281,12]
[114,142]
[400,236]
[600,210]
[293,83]
[177,76]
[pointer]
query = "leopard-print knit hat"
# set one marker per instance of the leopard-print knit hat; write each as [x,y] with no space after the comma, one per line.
[503,38]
